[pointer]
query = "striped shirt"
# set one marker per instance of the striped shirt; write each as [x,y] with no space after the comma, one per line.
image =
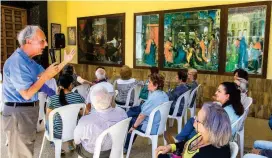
[53,103]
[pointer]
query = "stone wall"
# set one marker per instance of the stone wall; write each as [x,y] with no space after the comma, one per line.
[259,89]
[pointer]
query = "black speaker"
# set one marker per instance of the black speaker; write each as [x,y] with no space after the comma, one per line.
[59,40]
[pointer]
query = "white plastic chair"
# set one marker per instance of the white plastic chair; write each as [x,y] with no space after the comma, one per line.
[68,115]
[82,90]
[192,109]
[233,149]
[42,100]
[137,89]
[175,112]
[238,126]
[164,111]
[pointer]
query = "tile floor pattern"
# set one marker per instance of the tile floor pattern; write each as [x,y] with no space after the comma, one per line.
[254,129]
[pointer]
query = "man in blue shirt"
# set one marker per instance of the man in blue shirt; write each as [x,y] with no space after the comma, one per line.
[23,78]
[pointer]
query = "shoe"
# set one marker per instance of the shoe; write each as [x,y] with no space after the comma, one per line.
[62,151]
[169,138]
[125,151]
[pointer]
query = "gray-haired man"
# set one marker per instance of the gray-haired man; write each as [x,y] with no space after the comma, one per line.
[23,78]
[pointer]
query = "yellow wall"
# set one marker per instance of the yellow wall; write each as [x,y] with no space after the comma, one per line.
[82,9]
[57,13]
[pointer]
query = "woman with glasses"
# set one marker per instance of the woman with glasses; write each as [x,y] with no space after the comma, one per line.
[228,95]
[211,140]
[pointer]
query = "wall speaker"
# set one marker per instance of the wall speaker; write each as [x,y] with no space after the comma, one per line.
[59,40]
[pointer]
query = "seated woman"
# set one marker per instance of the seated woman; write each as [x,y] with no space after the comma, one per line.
[144,91]
[77,80]
[140,114]
[229,97]
[181,78]
[65,97]
[123,85]
[192,83]
[91,126]
[212,139]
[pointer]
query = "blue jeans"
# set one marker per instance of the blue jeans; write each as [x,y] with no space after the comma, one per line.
[188,131]
[134,113]
[262,144]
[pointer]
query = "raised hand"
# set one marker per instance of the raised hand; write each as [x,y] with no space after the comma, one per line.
[70,56]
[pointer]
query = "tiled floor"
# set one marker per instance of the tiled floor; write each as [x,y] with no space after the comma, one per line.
[254,129]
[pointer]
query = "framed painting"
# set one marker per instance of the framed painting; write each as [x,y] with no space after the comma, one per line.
[192,39]
[248,37]
[71,33]
[101,40]
[146,39]
[55,28]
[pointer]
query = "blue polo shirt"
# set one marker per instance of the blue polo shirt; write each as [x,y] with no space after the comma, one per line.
[20,73]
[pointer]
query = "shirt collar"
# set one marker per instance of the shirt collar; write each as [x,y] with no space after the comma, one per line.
[24,55]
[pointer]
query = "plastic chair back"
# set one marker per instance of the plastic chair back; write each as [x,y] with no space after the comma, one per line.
[118,133]
[69,115]
[233,149]
[82,90]
[164,111]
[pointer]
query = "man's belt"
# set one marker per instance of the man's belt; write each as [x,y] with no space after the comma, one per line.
[22,104]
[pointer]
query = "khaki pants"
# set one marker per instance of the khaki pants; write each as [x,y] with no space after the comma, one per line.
[19,124]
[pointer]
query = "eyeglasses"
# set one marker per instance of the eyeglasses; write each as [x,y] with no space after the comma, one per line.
[195,118]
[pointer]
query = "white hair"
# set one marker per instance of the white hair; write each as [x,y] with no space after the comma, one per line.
[27,33]
[100,97]
[100,74]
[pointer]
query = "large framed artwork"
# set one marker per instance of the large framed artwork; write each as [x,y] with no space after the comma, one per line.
[101,40]
[55,28]
[71,33]
[192,39]
[248,37]
[146,39]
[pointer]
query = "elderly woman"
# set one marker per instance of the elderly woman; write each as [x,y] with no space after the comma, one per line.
[123,85]
[141,113]
[65,97]
[192,83]
[212,139]
[181,78]
[91,126]
[228,96]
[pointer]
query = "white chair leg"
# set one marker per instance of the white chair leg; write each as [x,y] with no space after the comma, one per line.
[154,145]
[179,124]
[58,144]
[241,142]
[185,117]
[44,139]
[149,142]
[171,122]
[130,144]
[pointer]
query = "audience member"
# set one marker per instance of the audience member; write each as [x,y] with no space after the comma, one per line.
[212,139]
[70,70]
[140,114]
[228,96]
[123,85]
[101,80]
[65,97]
[192,83]
[144,91]
[174,94]
[91,126]
[241,79]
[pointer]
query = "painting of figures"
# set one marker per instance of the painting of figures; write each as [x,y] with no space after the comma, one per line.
[147,40]
[101,40]
[245,38]
[191,40]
